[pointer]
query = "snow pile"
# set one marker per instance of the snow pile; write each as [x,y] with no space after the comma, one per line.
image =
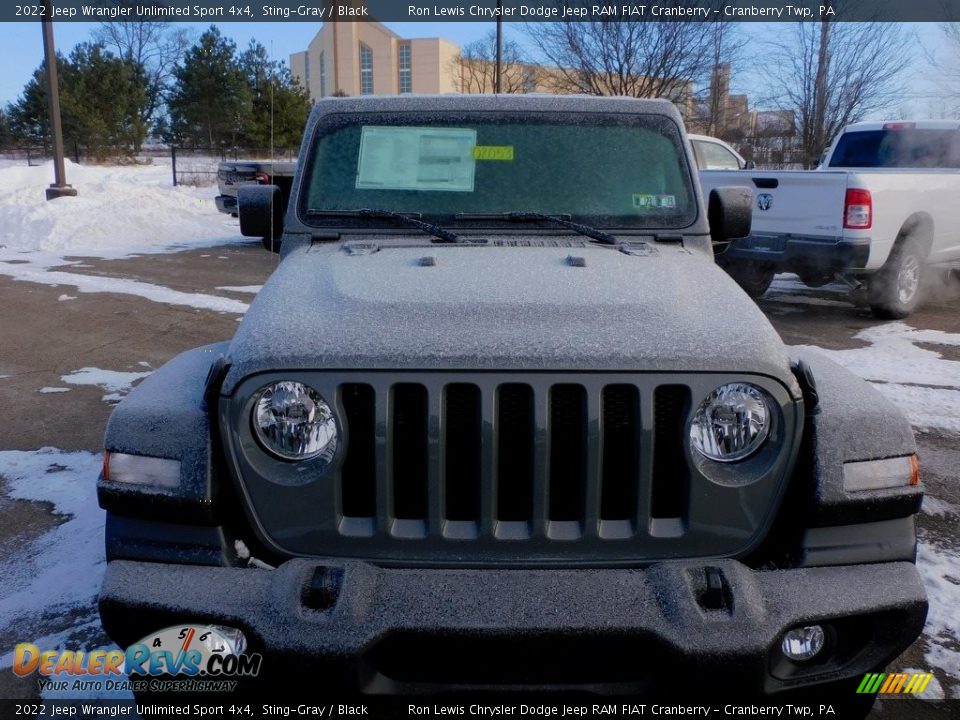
[918,379]
[118,210]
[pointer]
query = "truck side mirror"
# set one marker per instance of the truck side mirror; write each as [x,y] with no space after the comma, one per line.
[729,212]
[261,213]
[749,165]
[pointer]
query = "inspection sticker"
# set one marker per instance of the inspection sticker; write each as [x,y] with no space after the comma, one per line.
[644,201]
[493,152]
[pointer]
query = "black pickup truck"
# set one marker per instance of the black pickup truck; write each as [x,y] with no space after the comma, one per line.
[498,421]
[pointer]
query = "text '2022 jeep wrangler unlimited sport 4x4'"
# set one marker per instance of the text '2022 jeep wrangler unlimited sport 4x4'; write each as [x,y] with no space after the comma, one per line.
[499,421]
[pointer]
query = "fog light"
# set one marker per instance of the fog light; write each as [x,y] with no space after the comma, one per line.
[803,643]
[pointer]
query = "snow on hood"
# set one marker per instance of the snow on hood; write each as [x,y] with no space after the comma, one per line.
[504,308]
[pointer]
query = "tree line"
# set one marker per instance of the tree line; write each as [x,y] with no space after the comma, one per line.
[147,79]
[138,79]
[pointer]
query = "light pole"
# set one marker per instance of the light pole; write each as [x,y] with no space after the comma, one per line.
[59,187]
[498,70]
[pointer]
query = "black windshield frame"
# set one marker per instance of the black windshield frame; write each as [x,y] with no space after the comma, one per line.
[640,224]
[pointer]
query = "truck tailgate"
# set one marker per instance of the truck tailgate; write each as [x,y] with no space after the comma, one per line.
[804,203]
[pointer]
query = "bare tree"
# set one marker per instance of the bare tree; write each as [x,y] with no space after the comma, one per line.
[476,67]
[712,114]
[830,74]
[620,57]
[154,47]
[946,70]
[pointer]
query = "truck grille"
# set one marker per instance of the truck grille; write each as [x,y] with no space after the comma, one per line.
[479,467]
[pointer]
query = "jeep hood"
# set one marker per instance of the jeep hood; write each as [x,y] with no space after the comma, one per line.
[460,307]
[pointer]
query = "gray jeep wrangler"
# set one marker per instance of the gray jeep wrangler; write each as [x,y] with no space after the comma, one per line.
[497,420]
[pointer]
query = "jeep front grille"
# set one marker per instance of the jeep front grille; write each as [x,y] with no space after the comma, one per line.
[518,468]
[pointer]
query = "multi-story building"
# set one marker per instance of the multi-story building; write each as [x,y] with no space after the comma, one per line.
[367,58]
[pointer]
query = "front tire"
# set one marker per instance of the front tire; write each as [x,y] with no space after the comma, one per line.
[753,277]
[894,291]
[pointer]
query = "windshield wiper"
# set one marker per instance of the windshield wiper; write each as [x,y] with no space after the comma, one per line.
[563,220]
[408,219]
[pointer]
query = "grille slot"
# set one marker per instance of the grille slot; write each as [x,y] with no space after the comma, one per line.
[568,452]
[462,428]
[409,445]
[621,452]
[671,476]
[515,440]
[358,476]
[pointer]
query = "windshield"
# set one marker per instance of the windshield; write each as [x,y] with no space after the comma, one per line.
[907,148]
[603,170]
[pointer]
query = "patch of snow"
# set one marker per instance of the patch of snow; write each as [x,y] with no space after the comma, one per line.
[64,565]
[66,297]
[115,382]
[934,506]
[940,571]
[46,390]
[123,286]
[253,289]
[144,363]
[920,380]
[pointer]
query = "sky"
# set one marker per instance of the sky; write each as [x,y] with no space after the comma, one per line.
[23,51]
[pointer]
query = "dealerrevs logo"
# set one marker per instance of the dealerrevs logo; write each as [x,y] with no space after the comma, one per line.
[192,654]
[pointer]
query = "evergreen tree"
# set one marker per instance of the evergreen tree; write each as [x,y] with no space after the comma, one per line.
[210,100]
[100,100]
[6,129]
[279,104]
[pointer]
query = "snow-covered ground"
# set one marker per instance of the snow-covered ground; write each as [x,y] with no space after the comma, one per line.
[119,211]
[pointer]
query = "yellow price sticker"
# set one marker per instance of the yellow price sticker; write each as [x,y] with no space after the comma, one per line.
[493,152]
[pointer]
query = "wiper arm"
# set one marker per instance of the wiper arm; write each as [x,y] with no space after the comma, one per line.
[409,220]
[563,220]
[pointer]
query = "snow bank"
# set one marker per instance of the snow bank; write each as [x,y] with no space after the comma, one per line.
[118,210]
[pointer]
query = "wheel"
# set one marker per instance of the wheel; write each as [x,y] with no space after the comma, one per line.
[754,277]
[814,279]
[894,290]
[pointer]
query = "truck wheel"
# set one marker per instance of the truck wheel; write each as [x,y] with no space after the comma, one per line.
[895,289]
[753,277]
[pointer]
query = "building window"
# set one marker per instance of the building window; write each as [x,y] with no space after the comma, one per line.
[323,78]
[366,70]
[404,82]
[306,71]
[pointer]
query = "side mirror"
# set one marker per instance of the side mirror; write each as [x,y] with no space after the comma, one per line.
[749,165]
[261,213]
[729,212]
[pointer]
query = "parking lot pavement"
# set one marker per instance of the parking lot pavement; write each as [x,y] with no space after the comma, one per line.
[69,353]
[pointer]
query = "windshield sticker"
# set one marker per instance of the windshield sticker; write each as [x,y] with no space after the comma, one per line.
[644,201]
[493,152]
[416,158]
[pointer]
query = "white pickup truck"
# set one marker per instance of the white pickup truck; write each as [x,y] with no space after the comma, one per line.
[882,209]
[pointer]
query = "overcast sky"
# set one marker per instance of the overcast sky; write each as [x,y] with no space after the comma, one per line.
[23,51]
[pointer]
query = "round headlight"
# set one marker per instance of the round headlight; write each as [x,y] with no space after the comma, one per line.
[731,423]
[293,422]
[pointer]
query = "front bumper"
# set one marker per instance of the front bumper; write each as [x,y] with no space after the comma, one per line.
[353,625]
[796,252]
